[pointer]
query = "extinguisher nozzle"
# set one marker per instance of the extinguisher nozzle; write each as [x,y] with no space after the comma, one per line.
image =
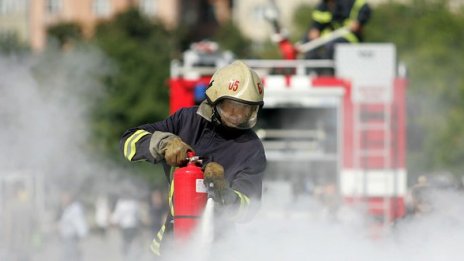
[210,188]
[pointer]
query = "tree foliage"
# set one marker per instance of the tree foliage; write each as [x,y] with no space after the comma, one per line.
[65,33]
[11,44]
[231,38]
[301,21]
[137,90]
[428,36]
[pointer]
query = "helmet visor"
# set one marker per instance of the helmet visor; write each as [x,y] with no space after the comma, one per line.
[237,115]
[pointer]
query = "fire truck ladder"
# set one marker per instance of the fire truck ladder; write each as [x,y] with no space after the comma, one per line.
[372,150]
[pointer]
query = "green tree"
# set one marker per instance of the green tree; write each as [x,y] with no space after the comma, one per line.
[428,36]
[137,90]
[10,43]
[231,38]
[65,33]
[301,21]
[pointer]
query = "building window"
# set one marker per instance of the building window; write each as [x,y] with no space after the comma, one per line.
[54,6]
[12,6]
[148,7]
[101,8]
[9,6]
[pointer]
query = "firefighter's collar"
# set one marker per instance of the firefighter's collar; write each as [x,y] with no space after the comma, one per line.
[205,110]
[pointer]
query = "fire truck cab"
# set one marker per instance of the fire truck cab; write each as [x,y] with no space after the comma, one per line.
[345,129]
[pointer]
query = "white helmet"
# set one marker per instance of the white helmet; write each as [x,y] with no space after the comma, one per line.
[236,93]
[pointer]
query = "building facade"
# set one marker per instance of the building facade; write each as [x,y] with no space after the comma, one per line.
[29,19]
[14,18]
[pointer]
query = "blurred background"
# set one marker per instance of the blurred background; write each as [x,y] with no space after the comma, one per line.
[74,75]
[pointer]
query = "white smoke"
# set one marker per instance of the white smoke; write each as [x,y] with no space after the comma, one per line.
[44,113]
[296,233]
[45,106]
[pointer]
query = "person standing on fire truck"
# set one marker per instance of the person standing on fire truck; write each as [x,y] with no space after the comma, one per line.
[330,15]
[218,129]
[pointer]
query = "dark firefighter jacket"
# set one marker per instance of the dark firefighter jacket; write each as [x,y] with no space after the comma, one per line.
[344,12]
[241,153]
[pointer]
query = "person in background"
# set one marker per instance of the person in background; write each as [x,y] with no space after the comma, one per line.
[126,216]
[158,210]
[330,15]
[102,214]
[72,227]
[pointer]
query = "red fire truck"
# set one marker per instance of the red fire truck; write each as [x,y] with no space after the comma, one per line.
[347,129]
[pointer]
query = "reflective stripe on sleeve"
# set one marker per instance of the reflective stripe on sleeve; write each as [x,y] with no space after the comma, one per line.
[351,37]
[244,203]
[129,145]
[356,8]
[322,17]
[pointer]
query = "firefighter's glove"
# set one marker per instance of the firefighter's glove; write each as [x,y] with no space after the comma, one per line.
[170,147]
[175,152]
[217,185]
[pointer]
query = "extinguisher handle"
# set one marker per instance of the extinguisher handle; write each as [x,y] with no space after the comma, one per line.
[190,154]
[193,159]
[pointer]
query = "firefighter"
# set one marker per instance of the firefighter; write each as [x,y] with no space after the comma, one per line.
[330,15]
[219,129]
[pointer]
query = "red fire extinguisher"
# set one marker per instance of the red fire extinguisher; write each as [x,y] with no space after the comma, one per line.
[190,197]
